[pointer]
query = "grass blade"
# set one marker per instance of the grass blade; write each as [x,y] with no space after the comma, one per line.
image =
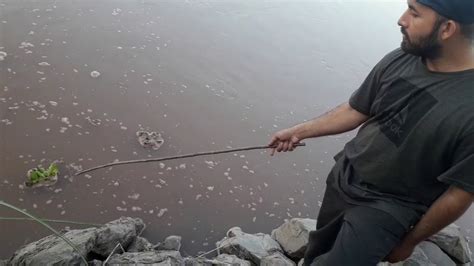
[45,225]
[48,220]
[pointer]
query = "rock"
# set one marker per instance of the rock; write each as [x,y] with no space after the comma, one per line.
[171,258]
[276,259]
[418,258]
[293,236]
[453,243]
[150,139]
[435,254]
[226,259]
[221,260]
[123,231]
[170,243]
[95,263]
[53,250]
[97,241]
[426,253]
[247,246]
[190,261]
[140,244]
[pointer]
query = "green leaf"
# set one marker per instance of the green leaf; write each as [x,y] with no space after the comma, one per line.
[52,170]
[40,174]
[33,175]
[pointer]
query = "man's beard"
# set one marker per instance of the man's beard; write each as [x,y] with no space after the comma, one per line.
[427,47]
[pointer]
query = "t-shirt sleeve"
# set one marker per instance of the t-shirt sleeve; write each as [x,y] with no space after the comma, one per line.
[461,173]
[362,99]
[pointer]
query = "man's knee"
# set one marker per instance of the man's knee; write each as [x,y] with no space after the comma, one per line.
[365,237]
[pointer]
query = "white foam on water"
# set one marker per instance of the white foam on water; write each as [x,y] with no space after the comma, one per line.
[95,74]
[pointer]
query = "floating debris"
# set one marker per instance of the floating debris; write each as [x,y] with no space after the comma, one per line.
[40,177]
[116,11]
[94,122]
[162,211]
[95,74]
[44,64]
[150,139]
[2,55]
[134,196]
[65,120]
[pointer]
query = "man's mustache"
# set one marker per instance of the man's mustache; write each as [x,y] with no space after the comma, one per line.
[403,31]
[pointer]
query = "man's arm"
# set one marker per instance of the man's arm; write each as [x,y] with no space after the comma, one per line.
[445,210]
[340,119]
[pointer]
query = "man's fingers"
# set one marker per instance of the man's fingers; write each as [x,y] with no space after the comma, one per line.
[272,152]
[273,141]
[285,146]
[291,147]
[280,147]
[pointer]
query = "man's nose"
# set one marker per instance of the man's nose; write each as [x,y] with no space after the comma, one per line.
[402,22]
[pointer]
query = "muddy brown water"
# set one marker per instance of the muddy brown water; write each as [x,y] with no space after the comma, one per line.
[207,75]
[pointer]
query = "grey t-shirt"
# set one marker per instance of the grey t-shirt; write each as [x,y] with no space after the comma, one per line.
[418,141]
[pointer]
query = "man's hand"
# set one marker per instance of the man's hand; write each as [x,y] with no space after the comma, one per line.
[445,210]
[340,119]
[400,253]
[284,140]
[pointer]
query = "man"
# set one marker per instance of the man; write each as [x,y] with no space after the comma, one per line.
[409,172]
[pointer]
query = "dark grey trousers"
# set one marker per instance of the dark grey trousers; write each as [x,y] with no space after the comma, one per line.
[351,235]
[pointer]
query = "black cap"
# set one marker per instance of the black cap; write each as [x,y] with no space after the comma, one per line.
[461,11]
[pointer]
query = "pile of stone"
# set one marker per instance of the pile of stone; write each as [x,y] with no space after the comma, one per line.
[119,243]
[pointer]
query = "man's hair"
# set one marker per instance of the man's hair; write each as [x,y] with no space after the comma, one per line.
[468,31]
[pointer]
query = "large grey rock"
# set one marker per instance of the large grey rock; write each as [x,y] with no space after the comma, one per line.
[251,247]
[53,250]
[276,259]
[170,243]
[453,243]
[226,259]
[293,236]
[140,244]
[165,258]
[123,231]
[221,260]
[435,254]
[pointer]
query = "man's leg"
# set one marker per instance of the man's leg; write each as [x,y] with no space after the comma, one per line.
[330,219]
[367,235]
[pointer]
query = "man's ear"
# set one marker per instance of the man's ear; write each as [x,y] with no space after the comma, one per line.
[448,29]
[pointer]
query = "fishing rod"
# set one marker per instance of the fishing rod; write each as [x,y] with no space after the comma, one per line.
[180,157]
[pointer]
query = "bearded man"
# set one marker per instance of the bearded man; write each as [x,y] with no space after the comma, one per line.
[409,171]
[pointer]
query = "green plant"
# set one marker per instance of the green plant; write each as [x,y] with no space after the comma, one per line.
[38,175]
